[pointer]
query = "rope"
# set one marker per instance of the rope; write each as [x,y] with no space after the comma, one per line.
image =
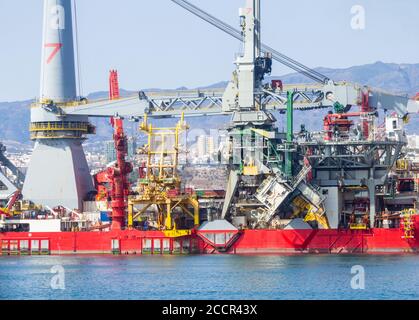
[79,75]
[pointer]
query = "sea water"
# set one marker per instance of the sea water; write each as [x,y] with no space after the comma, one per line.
[234,277]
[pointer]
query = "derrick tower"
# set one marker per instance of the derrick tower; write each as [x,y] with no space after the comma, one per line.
[58,173]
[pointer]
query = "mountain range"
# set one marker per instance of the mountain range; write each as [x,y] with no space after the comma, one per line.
[397,78]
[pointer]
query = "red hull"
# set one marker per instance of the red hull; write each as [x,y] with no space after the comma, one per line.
[373,241]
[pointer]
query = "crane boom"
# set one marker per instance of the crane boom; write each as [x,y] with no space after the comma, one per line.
[281,58]
[20,177]
[324,94]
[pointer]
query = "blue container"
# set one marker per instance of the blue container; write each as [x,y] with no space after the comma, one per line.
[104,216]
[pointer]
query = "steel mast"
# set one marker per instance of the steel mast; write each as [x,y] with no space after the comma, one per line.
[58,173]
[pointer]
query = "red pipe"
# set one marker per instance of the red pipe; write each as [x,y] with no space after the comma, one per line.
[329,122]
[119,176]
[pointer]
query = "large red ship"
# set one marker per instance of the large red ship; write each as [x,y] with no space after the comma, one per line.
[134,242]
[348,189]
[157,214]
[180,223]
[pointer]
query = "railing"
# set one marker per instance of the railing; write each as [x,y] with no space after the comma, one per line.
[59,126]
[75,103]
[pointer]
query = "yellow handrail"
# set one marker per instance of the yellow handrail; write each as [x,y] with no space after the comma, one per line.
[59,126]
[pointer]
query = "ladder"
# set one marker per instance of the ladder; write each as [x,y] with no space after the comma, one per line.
[408,224]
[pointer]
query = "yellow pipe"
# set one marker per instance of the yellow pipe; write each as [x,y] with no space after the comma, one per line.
[168,223]
[195,205]
[130,217]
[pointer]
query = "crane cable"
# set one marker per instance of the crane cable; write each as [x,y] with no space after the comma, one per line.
[76,32]
[281,58]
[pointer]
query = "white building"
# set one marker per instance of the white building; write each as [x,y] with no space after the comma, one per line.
[205,149]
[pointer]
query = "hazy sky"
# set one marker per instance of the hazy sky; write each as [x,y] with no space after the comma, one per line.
[154,43]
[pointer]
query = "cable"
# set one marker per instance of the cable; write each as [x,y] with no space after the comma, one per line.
[79,76]
[281,58]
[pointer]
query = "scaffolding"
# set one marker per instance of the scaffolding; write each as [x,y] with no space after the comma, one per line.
[159,186]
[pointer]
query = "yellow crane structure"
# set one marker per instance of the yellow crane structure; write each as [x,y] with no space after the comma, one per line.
[8,210]
[160,186]
[300,205]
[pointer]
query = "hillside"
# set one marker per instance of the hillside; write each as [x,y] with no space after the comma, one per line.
[398,78]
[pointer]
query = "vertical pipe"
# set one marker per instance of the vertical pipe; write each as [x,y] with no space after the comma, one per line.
[161,162]
[290,130]
[130,215]
[258,38]
[150,137]
[365,108]
[371,190]
[168,222]
[119,174]
[196,211]
[141,245]
[176,148]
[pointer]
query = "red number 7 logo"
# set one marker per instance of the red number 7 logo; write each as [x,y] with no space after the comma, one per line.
[56,46]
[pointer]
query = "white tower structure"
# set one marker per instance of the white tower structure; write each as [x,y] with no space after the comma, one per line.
[58,173]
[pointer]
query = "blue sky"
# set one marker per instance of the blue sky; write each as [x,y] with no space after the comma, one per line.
[154,43]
